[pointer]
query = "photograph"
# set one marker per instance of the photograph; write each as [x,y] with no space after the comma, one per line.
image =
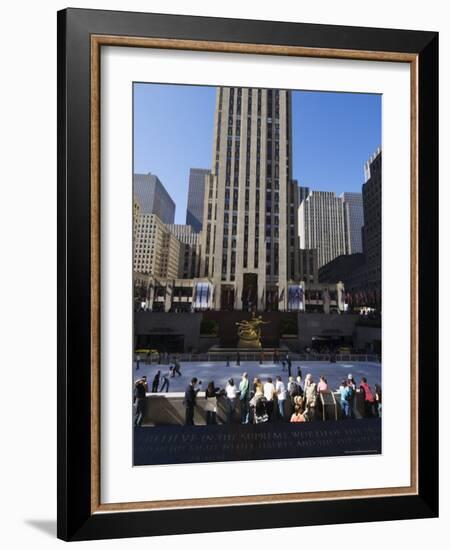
[257,287]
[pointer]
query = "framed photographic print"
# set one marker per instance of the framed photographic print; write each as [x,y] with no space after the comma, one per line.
[247,274]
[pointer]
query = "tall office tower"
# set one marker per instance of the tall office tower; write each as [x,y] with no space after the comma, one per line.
[189,250]
[303,192]
[305,258]
[321,223]
[153,197]
[250,237]
[156,250]
[196,195]
[354,221]
[371,193]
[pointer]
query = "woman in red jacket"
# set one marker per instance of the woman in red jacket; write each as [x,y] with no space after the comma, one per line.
[369,399]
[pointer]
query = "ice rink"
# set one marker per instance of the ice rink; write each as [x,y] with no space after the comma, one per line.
[220,373]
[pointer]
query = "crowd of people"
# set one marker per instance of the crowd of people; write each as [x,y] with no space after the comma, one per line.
[266,401]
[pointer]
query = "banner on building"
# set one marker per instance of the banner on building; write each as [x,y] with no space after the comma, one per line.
[296,298]
[203,295]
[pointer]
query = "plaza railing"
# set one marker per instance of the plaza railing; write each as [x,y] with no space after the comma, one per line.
[234,358]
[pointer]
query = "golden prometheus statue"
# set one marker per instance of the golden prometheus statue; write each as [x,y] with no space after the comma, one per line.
[249,332]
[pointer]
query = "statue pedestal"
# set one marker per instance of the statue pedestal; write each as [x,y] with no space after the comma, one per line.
[249,344]
[246,353]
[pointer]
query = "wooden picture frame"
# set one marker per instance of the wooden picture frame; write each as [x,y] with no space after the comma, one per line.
[81,35]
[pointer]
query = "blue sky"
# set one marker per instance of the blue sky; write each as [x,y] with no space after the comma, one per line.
[333,135]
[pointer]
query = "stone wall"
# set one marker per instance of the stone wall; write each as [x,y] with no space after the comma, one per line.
[168,409]
[319,324]
[154,324]
[150,326]
[368,338]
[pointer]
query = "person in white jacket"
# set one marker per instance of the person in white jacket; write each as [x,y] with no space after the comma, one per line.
[280,390]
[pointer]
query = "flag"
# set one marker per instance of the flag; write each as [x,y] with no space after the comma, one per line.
[249,295]
[193,297]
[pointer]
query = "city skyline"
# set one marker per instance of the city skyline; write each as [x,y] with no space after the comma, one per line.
[336,126]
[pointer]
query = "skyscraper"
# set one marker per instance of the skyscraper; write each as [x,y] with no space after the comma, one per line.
[153,197]
[250,236]
[303,192]
[189,251]
[354,221]
[196,195]
[371,192]
[321,222]
[156,249]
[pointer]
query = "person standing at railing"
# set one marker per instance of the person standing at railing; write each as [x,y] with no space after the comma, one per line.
[378,400]
[231,394]
[244,398]
[299,381]
[190,397]
[256,393]
[345,392]
[322,385]
[294,390]
[269,393]
[140,400]
[280,390]
[211,394]
[351,384]
[369,399]
[310,394]
[351,381]
[257,390]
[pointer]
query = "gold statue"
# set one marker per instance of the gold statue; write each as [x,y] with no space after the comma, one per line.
[249,332]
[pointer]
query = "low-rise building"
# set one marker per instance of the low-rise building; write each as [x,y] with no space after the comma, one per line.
[199,294]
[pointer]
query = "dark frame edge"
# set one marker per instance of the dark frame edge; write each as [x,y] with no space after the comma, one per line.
[73,287]
[61,279]
[253,517]
[428,188]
